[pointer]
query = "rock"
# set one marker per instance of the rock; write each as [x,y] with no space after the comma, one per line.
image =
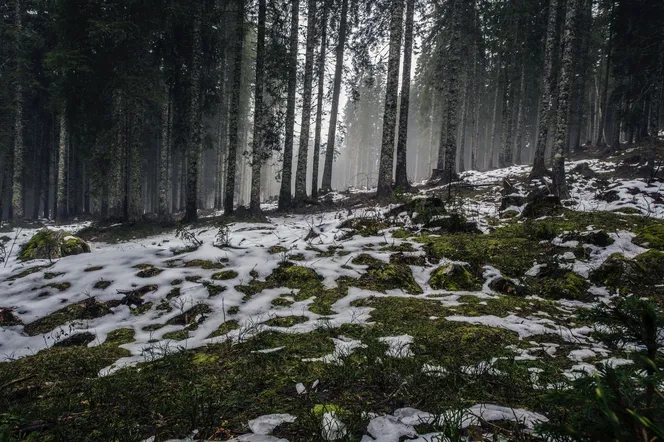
[505,286]
[511,201]
[454,277]
[597,238]
[616,271]
[425,208]
[454,223]
[540,205]
[77,340]
[642,276]
[584,170]
[52,244]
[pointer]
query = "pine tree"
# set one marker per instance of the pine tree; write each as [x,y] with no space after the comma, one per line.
[17,186]
[259,113]
[391,97]
[401,175]
[319,100]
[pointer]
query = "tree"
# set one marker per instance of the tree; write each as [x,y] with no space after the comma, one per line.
[401,176]
[319,100]
[285,194]
[302,157]
[336,92]
[391,97]
[259,113]
[559,182]
[539,168]
[17,187]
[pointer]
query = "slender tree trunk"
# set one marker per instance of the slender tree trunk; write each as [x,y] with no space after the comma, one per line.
[336,92]
[259,114]
[464,121]
[564,86]
[494,125]
[303,153]
[135,169]
[584,23]
[164,157]
[391,97]
[401,176]
[195,115]
[449,174]
[233,126]
[539,167]
[476,99]
[63,151]
[603,107]
[518,155]
[285,194]
[319,102]
[17,185]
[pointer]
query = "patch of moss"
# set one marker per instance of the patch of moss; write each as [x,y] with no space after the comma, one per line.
[101,285]
[651,236]
[365,259]
[153,327]
[225,275]
[562,285]
[233,310]
[164,306]
[193,278]
[26,272]
[295,277]
[286,321]
[148,271]
[176,282]
[59,286]
[174,293]
[454,277]
[52,244]
[93,269]
[281,302]
[365,226]
[120,336]
[214,290]
[179,335]
[252,288]
[88,309]
[190,315]
[49,275]
[274,250]
[403,247]
[401,233]
[142,291]
[296,257]
[382,277]
[224,328]
[7,317]
[204,264]
[141,309]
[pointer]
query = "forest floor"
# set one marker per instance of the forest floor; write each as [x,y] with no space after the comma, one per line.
[362,322]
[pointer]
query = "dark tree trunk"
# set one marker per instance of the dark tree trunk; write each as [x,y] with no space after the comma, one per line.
[259,114]
[336,92]
[319,101]
[63,152]
[401,176]
[285,194]
[603,107]
[391,98]
[17,185]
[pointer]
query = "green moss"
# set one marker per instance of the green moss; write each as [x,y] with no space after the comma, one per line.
[27,272]
[565,285]
[193,278]
[274,250]
[401,233]
[214,290]
[52,244]
[403,247]
[454,277]
[148,271]
[204,264]
[651,236]
[164,306]
[190,315]
[93,268]
[225,275]
[281,302]
[365,226]
[176,282]
[365,259]
[174,293]
[59,286]
[296,257]
[179,335]
[286,321]
[224,328]
[295,277]
[101,285]
[141,309]
[153,327]
[88,309]
[48,275]
[252,288]
[381,277]
[120,336]
[233,310]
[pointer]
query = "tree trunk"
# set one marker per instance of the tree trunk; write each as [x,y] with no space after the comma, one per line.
[233,126]
[564,86]
[259,114]
[476,99]
[491,150]
[195,116]
[285,194]
[449,173]
[401,176]
[135,169]
[319,104]
[336,92]
[584,23]
[518,154]
[63,149]
[164,157]
[391,97]
[464,120]
[603,107]
[539,167]
[17,185]
[303,154]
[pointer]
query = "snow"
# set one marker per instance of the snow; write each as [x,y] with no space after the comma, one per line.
[399,346]
[264,425]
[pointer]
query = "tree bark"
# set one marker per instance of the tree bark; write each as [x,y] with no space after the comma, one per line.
[564,86]
[603,107]
[319,103]
[233,125]
[391,97]
[164,157]
[449,173]
[336,92]
[303,153]
[464,120]
[63,149]
[259,114]
[401,176]
[17,184]
[518,153]
[539,167]
[285,194]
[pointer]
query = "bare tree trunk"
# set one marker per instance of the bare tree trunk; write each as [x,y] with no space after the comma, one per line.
[584,23]
[135,169]
[285,194]
[449,174]
[259,114]
[564,86]
[401,176]
[319,104]
[164,157]
[603,107]
[518,155]
[233,125]
[391,97]
[303,153]
[17,185]
[63,149]
[464,120]
[476,100]
[491,151]
[336,92]
[539,167]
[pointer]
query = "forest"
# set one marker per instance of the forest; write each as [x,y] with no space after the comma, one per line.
[114,111]
[332,220]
